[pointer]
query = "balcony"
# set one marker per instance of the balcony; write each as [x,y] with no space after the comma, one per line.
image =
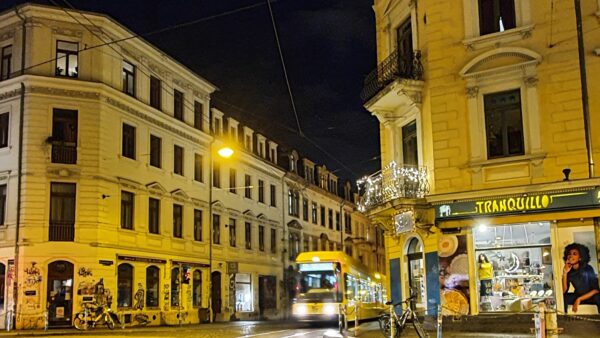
[394,67]
[62,231]
[64,152]
[393,182]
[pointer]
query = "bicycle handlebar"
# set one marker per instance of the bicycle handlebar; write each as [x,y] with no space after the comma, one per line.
[401,302]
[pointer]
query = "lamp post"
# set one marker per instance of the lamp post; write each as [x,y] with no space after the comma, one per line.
[224,152]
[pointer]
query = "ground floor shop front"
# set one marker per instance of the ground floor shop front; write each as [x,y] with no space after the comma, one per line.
[141,288]
[502,254]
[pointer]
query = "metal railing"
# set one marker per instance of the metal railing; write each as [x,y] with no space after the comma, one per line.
[395,66]
[393,181]
[64,153]
[62,231]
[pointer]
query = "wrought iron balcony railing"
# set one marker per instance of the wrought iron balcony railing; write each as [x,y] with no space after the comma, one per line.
[62,231]
[394,181]
[64,152]
[395,66]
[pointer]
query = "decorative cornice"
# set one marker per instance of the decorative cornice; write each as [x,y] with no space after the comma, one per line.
[64,92]
[67,32]
[9,94]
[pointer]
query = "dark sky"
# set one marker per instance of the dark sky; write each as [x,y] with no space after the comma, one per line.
[328,48]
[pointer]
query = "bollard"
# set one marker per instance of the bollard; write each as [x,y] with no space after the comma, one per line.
[551,323]
[392,322]
[9,315]
[439,321]
[540,321]
[356,314]
[340,318]
[46,317]
[85,317]
[122,321]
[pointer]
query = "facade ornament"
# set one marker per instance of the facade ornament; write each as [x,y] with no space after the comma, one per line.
[531,81]
[67,32]
[472,92]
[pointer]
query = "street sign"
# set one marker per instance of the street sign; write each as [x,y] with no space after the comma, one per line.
[232,267]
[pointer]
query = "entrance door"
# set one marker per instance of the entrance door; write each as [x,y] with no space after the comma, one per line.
[416,272]
[267,292]
[60,294]
[215,296]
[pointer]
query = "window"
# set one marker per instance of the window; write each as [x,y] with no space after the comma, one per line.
[337,221]
[198,169]
[330,219]
[64,136]
[128,141]
[261,238]
[261,191]
[67,58]
[273,240]
[4,130]
[178,160]
[323,221]
[216,174]
[216,226]
[404,40]
[177,221]
[410,154]
[124,285]
[294,245]
[496,16]
[197,225]
[62,211]
[504,124]
[273,195]
[314,212]
[155,151]
[128,78]
[293,203]
[178,104]
[127,209]
[348,223]
[243,292]
[247,186]
[5,62]
[197,288]
[305,209]
[232,183]
[152,286]
[232,232]
[2,204]
[154,215]
[175,285]
[198,115]
[155,91]
[248,235]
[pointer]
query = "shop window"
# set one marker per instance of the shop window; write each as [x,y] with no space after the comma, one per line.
[514,266]
[5,62]
[128,141]
[496,16]
[127,210]
[243,292]
[67,55]
[4,130]
[197,288]
[152,286]
[504,124]
[155,151]
[175,285]
[124,285]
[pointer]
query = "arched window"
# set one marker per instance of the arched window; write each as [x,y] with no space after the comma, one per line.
[152,286]
[414,246]
[175,287]
[197,288]
[124,285]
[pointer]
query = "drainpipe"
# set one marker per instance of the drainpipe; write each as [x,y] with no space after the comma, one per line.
[284,251]
[20,163]
[584,91]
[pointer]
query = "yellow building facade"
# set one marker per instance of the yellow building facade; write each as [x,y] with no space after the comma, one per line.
[485,150]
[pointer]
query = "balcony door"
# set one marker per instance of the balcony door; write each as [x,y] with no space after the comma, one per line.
[410,152]
[404,41]
[62,211]
[64,136]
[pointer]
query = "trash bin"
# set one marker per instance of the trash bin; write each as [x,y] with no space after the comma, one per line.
[203,315]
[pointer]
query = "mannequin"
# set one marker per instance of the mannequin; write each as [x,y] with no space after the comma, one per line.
[486,275]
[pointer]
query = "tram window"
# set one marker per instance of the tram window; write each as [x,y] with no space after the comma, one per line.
[350,286]
[319,286]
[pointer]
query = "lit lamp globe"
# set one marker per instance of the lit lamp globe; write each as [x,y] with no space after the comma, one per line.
[225,152]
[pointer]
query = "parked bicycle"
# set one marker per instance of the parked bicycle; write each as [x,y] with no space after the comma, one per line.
[400,320]
[93,314]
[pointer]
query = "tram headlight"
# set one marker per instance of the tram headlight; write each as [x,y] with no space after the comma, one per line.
[301,309]
[329,309]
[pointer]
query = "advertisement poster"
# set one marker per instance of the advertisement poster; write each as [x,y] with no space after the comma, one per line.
[454,274]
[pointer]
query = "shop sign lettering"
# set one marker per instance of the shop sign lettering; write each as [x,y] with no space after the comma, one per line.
[512,204]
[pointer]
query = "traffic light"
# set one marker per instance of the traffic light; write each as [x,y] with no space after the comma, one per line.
[187,275]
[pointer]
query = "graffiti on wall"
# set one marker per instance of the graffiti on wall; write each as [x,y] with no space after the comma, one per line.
[138,298]
[166,296]
[84,272]
[30,288]
[33,275]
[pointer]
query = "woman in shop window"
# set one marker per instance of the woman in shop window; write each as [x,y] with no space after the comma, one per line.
[486,275]
[578,273]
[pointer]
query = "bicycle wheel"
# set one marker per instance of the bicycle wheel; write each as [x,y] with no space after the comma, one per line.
[78,323]
[110,323]
[419,328]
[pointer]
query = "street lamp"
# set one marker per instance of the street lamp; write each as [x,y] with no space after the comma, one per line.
[224,152]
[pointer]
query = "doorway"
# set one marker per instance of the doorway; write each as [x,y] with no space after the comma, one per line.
[60,294]
[416,278]
[215,295]
[267,294]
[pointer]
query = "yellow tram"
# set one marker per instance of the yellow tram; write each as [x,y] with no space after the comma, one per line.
[331,280]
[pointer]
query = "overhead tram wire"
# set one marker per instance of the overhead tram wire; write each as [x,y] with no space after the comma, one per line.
[187,103]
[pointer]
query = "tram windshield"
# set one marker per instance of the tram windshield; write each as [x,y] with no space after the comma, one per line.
[319,282]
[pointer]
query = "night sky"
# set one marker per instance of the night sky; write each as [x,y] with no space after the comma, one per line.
[328,48]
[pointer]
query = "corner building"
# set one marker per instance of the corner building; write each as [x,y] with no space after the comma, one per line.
[483,148]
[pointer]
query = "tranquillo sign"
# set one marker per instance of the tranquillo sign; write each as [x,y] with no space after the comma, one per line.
[525,203]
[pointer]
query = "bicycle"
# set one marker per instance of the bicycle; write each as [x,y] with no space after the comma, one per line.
[400,321]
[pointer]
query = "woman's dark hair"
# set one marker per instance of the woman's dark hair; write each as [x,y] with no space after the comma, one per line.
[583,250]
[485,259]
